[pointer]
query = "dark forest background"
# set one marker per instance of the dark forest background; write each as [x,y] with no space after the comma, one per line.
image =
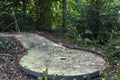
[93,24]
[85,22]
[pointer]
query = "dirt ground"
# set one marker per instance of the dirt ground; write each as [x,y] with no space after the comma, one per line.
[9,57]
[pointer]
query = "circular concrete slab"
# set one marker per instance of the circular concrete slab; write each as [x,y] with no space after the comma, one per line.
[44,54]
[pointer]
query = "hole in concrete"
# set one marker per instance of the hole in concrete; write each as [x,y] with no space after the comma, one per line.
[63,58]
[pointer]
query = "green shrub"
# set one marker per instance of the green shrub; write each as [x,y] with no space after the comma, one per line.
[112,50]
[114,77]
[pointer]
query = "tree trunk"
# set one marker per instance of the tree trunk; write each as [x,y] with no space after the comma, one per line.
[44,15]
[93,17]
[64,3]
[24,12]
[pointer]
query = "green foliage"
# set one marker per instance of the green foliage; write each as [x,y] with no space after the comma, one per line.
[114,77]
[5,43]
[87,77]
[74,37]
[97,16]
[40,78]
[57,16]
[47,78]
[118,74]
[27,12]
[82,15]
[113,50]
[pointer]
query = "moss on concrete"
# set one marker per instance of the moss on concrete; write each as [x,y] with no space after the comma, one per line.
[43,53]
[58,59]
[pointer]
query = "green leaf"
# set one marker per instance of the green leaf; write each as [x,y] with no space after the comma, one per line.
[46,78]
[118,74]
[40,78]
[1,42]
[107,68]
[87,77]
[88,32]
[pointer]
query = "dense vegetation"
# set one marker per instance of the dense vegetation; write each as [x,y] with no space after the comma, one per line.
[85,22]
[91,19]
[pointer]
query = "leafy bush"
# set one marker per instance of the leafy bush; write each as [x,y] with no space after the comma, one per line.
[98,16]
[112,50]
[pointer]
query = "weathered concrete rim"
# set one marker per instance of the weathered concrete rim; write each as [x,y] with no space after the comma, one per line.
[58,77]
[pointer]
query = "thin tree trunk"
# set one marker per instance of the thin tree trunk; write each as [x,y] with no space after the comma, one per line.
[97,19]
[24,12]
[93,17]
[44,15]
[64,3]
[36,10]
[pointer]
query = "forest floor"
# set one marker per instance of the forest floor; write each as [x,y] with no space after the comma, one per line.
[9,58]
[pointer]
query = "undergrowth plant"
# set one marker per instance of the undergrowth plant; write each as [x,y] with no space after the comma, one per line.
[114,77]
[107,77]
[45,77]
[112,50]
[5,43]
